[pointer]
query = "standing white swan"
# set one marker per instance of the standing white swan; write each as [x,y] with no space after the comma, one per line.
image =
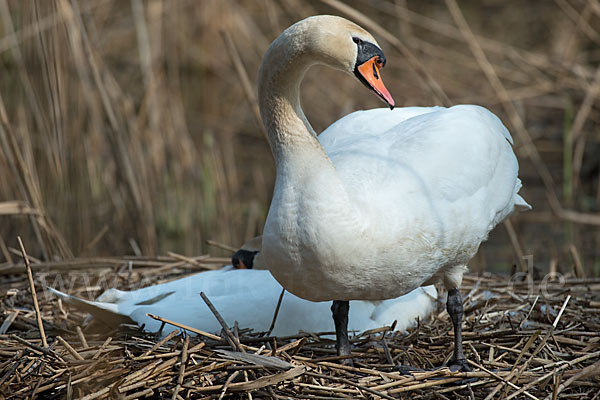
[382,202]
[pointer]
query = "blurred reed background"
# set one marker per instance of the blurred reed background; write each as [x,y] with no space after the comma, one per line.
[130,127]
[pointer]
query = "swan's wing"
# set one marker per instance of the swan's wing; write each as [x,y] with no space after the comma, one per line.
[443,167]
[368,122]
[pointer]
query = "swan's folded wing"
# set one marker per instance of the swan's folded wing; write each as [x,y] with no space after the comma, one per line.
[368,122]
[453,167]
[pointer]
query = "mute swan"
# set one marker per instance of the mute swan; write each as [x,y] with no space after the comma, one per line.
[249,255]
[248,297]
[382,202]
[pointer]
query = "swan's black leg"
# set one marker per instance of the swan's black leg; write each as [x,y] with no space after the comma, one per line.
[454,305]
[340,309]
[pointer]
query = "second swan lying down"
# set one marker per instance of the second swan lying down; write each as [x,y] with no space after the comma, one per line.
[248,297]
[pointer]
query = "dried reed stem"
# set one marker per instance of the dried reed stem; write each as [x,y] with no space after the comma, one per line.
[231,338]
[38,314]
[184,355]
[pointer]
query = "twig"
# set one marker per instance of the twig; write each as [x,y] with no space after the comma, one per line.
[590,370]
[502,379]
[186,343]
[8,321]
[560,313]
[70,349]
[349,382]
[227,383]
[105,262]
[529,313]
[101,349]
[222,245]
[43,350]
[82,339]
[187,328]
[233,341]
[519,371]
[261,382]
[38,314]
[276,313]
[161,342]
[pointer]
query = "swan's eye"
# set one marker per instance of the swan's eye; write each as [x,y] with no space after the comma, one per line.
[356,40]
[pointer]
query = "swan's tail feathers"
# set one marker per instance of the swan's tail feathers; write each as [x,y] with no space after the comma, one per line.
[521,204]
[105,312]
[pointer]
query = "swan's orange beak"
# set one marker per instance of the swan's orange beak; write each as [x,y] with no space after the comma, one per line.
[369,72]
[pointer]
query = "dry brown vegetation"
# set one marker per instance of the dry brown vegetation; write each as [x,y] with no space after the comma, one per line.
[130,128]
[524,339]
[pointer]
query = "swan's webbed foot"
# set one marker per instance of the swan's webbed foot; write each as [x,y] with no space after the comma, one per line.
[347,362]
[340,309]
[458,365]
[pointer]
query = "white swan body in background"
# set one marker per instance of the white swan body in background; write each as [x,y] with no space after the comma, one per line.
[248,297]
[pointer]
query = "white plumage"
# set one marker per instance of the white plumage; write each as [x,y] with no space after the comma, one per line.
[411,195]
[382,202]
[248,297]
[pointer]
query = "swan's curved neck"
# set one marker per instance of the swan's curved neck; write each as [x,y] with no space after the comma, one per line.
[306,178]
[280,76]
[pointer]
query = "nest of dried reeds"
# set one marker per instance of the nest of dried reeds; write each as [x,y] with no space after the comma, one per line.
[523,338]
